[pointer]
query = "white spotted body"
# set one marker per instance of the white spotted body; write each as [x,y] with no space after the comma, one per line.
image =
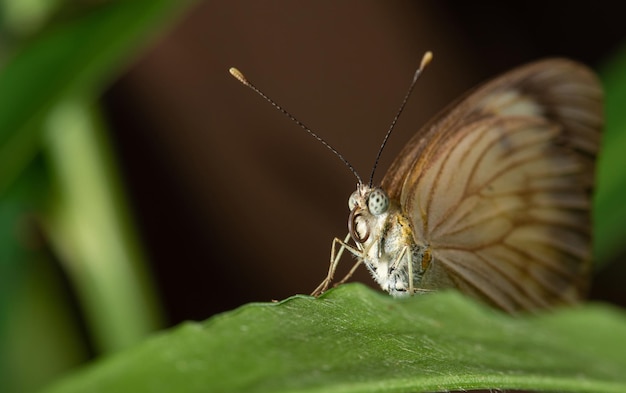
[384,242]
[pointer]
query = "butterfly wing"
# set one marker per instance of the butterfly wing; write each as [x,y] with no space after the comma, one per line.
[499,186]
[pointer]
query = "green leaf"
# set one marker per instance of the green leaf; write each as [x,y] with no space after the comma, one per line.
[356,340]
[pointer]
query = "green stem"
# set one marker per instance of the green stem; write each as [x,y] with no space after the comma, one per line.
[90,229]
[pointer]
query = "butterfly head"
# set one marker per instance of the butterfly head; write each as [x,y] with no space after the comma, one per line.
[367,205]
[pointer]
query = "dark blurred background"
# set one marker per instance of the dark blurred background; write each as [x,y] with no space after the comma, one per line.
[234,201]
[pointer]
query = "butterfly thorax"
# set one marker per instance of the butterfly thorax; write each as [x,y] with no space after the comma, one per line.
[384,237]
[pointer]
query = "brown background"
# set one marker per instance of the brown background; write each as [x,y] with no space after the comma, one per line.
[234,201]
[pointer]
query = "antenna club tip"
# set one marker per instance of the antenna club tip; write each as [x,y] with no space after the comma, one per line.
[426,59]
[238,75]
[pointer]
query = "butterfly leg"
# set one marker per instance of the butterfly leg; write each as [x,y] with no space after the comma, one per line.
[410,269]
[353,251]
[398,262]
[334,262]
[350,273]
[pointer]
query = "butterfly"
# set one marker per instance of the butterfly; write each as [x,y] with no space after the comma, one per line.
[492,196]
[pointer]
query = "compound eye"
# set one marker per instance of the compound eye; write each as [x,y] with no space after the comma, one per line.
[377,202]
[352,201]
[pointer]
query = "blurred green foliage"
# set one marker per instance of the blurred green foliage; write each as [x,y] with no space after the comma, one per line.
[58,182]
[609,206]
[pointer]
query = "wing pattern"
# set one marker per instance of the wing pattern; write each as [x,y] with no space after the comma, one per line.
[499,186]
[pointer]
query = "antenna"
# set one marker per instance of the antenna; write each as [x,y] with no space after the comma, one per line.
[428,56]
[241,78]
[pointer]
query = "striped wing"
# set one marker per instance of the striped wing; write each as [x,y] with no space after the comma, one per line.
[500,186]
